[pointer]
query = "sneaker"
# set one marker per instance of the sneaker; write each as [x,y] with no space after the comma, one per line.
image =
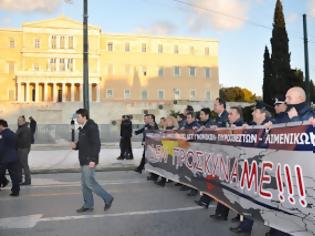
[84,209]
[107,206]
[14,194]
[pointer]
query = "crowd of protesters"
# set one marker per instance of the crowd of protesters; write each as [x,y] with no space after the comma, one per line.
[289,108]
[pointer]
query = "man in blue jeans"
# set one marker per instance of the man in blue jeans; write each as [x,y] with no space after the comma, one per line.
[89,146]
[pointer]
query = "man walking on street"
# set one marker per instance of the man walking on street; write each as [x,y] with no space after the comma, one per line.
[8,157]
[24,140]
[33,126]
[89,146]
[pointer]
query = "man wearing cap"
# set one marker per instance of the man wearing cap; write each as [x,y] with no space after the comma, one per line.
[280,107]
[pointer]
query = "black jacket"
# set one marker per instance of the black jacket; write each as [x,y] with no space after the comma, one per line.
[222,120]
[24,137]
[145,129]
[126,129]
[206,123]
[238,123]
[89,144]
[193,125]
[33,125]
[8,147]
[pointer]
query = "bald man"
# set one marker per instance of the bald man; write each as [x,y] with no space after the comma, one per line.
[298,110]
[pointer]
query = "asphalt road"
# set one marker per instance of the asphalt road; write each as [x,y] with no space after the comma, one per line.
[140,208]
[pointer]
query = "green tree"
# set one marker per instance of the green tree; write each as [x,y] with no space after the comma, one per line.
[237,94]
[267,80]
[280,57]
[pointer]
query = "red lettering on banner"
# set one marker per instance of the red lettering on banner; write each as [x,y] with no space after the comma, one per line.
[225,169]
[234,173]
[200,164]
[289,183]
[249,175]
[190,159]
[265,179]
[280,183]
[208,171]
[301,188]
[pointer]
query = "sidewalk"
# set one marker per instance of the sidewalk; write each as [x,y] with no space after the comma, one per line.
[60,158]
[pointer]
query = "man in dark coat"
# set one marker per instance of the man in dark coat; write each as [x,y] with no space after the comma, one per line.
[298,110]
[125,139]
[33,126]
[24,140]
[89,146]
[149,124]
[8,157]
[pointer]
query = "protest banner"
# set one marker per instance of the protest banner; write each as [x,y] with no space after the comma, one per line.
[264,174]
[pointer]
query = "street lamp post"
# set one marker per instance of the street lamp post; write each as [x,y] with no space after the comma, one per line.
[86,102]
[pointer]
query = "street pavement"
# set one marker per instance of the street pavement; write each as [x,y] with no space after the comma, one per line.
[140,208]
[60,158]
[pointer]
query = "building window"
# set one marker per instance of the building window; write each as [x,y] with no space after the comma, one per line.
[37,43]
[12,43]
[11,67]
[192,71]
[192,95]
[53,64]
[207,51]
[127,93]
[127,47]
[192,50]
[161,94]
[160,48]
[70,42]
[144,70]
[208,97]
[207,72]
[54,41]
[109,93]
[144,94]
[176,71]
[70,64]
[62,66]
[110,47]
[176,49]
[161,72]
[62,42]
[36,67]
[144,47]
[176,92]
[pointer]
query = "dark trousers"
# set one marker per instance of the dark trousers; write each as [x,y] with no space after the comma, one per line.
[222,210]
[246,225]
[125,148]
[14,172]
[23,158]
[205,199]
[142,162]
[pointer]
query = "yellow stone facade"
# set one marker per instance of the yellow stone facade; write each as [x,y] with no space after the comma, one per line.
[43,62]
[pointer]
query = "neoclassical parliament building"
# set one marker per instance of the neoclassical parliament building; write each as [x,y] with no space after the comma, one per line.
[43,62]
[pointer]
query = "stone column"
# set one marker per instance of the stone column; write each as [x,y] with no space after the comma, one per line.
[36,92]
[45,92]
[27,92]
[72,92]
[98,92]
[64,92]
[19,95]
[81,92]
[55,92]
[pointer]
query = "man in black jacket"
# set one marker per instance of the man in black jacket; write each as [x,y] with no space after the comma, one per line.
[89,146]
[8,157]
[125,139]
[33,126]
[24,140]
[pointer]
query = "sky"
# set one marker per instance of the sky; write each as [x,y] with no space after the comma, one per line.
[242,27]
